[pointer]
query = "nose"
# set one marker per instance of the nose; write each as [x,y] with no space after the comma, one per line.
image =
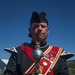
[39,27]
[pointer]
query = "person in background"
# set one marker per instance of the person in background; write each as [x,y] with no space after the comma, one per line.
[21,61]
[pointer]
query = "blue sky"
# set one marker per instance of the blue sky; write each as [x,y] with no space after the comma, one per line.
[15,20]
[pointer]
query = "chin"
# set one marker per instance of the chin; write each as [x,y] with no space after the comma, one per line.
[41,40]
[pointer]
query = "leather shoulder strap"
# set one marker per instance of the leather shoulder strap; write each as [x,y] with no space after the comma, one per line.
[27,50]
[48,62]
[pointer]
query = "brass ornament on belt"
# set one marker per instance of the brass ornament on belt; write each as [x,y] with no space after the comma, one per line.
[37,55]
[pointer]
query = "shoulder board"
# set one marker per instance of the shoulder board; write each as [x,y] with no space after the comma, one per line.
[11,50]
[67,55]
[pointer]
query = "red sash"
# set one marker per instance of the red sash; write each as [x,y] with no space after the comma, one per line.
[47,62]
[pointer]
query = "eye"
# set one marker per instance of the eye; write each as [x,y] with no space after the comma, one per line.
[36,26]
[43,26]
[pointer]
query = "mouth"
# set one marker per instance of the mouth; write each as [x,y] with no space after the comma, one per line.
[41,35]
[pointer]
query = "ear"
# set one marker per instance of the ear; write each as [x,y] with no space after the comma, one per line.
[29,29]
[30,35]
[48,30]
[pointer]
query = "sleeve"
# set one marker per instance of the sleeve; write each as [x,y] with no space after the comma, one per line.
[11,66]
[63,68]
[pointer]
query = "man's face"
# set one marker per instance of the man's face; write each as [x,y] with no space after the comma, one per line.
[39,31]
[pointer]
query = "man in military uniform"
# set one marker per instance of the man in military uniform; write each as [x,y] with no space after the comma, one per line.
[21,61]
